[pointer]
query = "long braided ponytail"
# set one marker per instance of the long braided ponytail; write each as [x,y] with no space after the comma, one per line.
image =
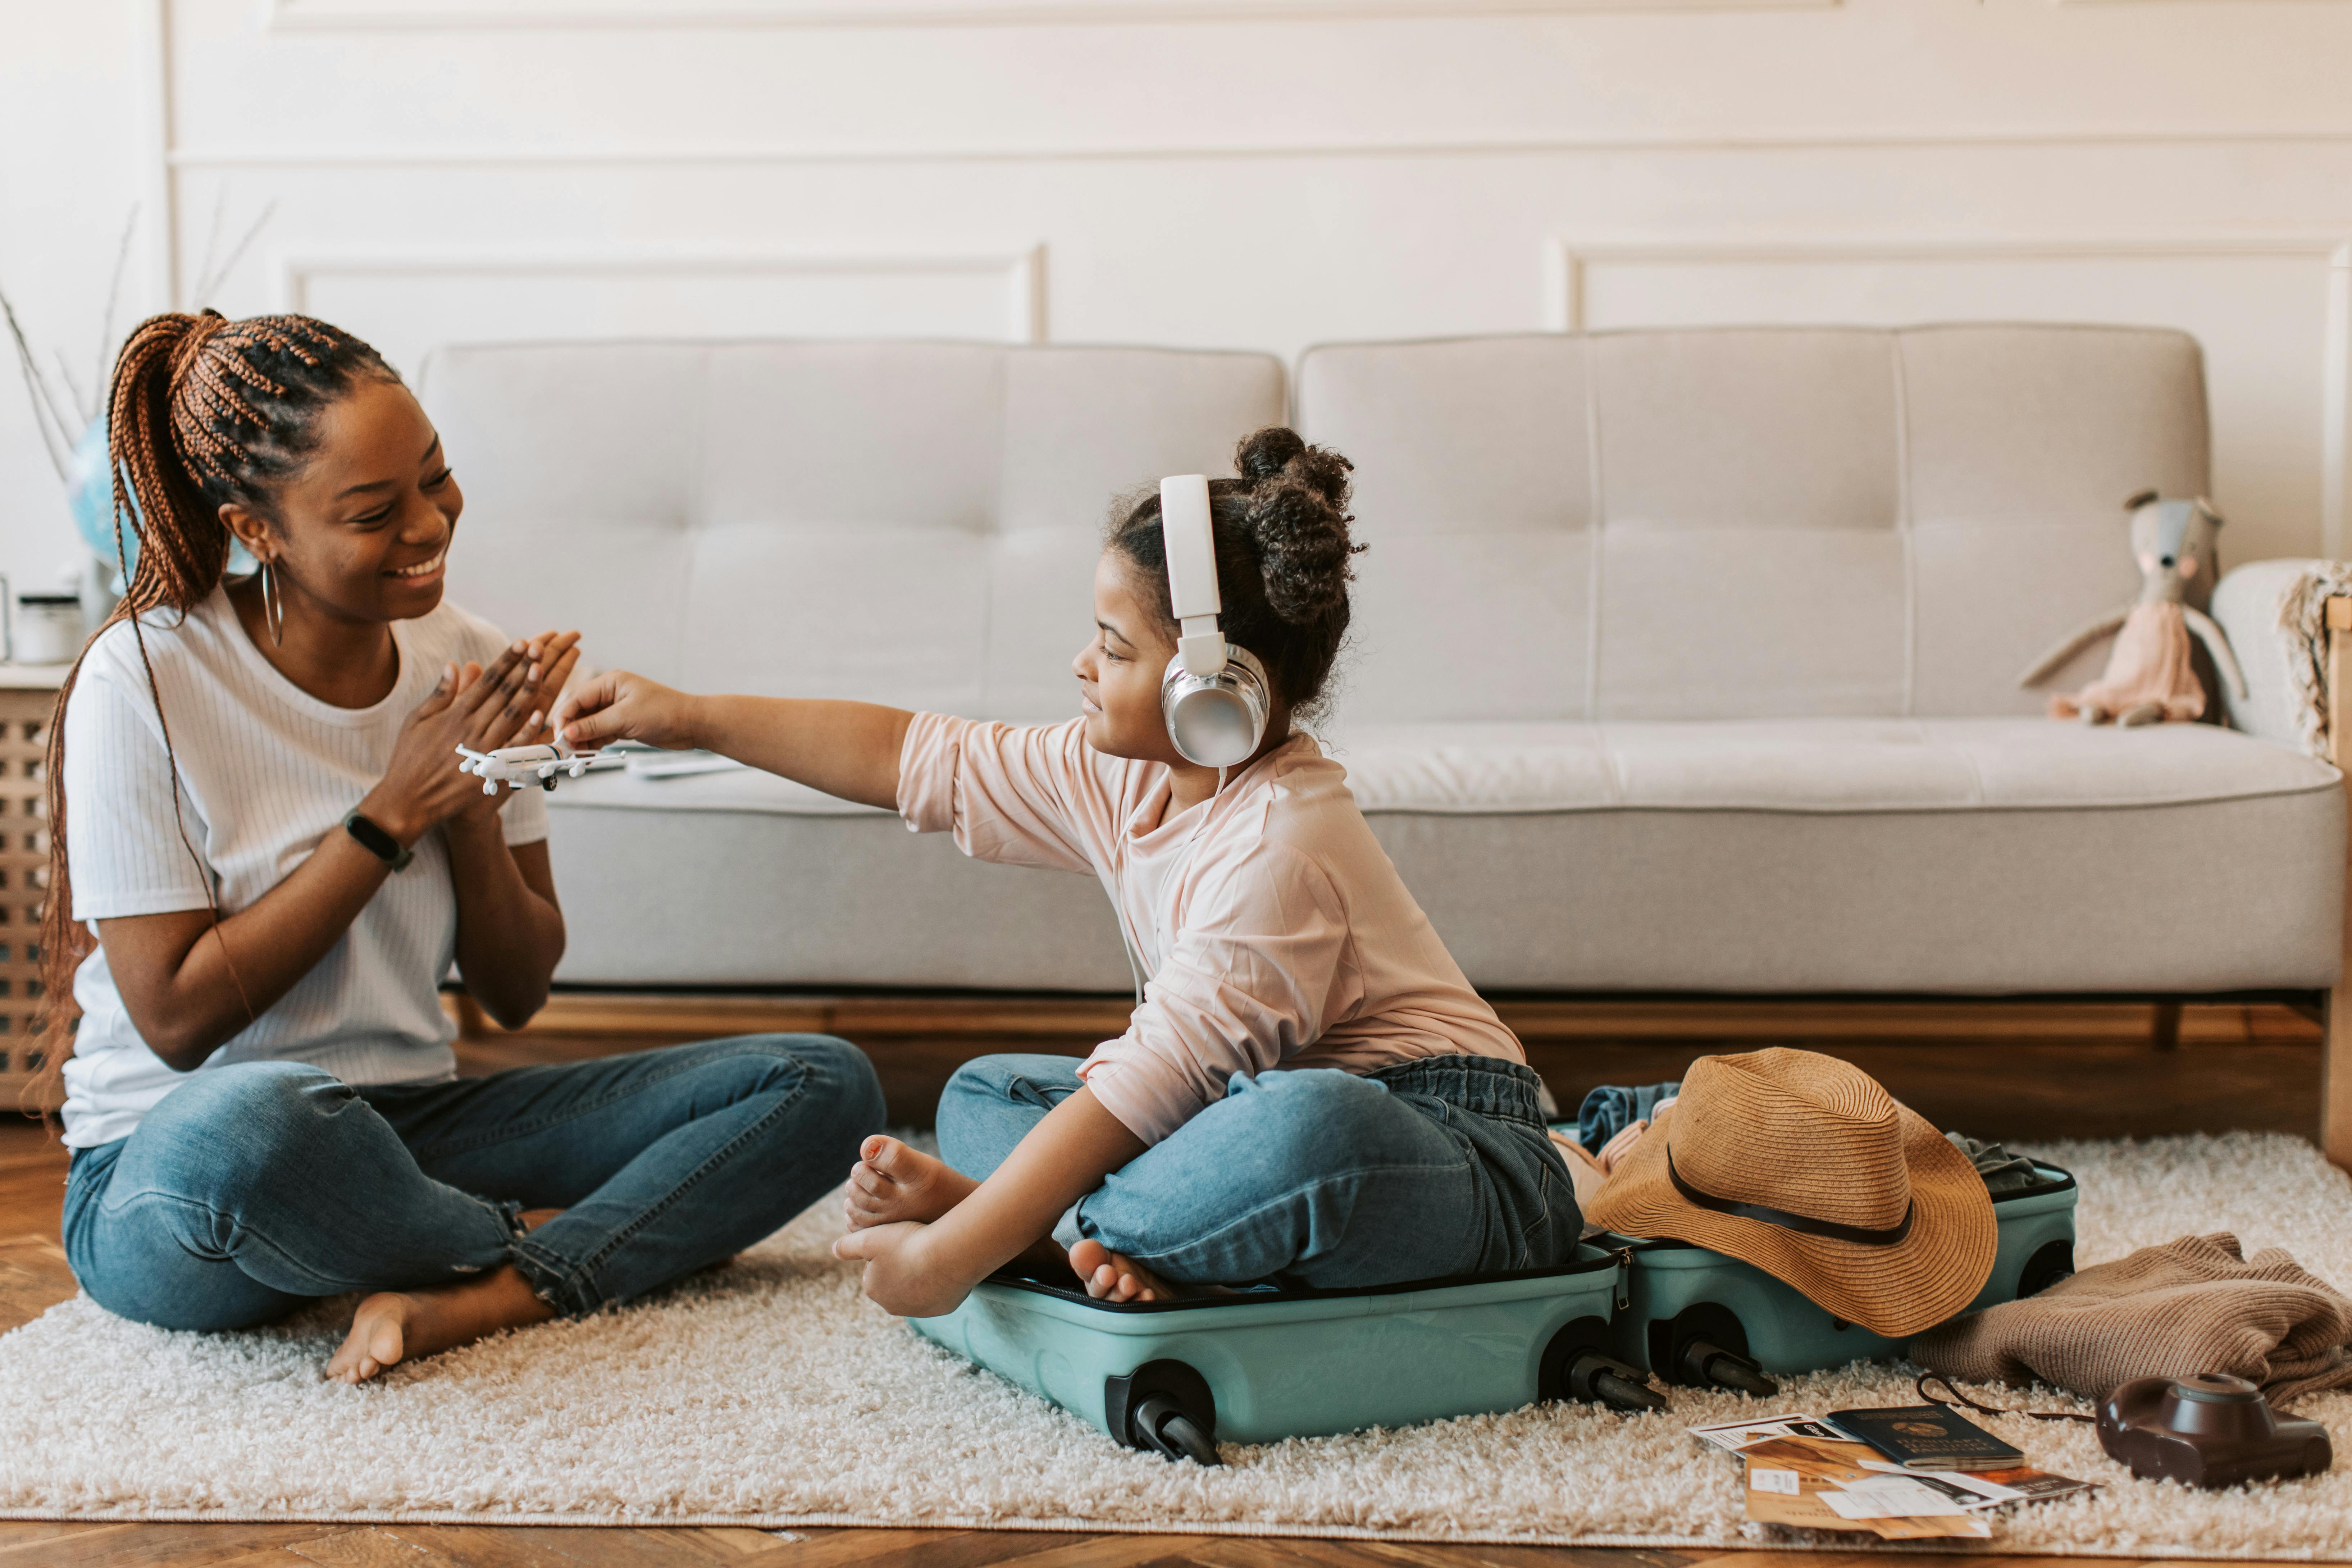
[202,412]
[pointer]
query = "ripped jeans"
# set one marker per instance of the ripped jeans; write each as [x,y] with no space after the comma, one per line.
[1309,1176]
[252,1188]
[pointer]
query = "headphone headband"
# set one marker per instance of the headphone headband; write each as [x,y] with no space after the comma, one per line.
[1188,542]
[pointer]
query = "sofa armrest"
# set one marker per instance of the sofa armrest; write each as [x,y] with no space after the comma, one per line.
[2246,604]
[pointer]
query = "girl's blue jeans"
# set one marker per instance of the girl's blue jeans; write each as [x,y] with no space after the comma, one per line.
[251,1188]
[1313,1176]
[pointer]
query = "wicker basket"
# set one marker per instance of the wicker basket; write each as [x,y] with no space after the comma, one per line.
[28,693]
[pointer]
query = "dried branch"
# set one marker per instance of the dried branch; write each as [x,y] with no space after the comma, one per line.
[37,387]
[81,407]
[114,297]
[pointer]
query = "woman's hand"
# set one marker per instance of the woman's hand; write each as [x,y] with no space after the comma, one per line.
[558,657]
[554,655]
[479,708]
[620,705]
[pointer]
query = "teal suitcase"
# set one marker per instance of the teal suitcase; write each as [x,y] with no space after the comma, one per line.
[1176,1377]
[1698,1318]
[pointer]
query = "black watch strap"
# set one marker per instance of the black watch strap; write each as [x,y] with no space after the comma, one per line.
[377,841]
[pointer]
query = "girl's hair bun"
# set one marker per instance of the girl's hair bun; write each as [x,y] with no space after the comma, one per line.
[1265,453]
[1299,520]
[1279,452]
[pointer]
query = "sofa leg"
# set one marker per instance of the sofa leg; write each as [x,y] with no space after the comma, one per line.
[2164,1029]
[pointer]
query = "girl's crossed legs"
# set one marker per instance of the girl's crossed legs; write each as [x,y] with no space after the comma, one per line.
[1311,1176]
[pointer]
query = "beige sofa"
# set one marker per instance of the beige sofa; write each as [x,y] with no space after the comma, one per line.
[1686,661]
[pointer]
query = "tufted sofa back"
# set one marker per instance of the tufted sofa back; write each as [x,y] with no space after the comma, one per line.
[1658,524]
[908,522]
[1724,523]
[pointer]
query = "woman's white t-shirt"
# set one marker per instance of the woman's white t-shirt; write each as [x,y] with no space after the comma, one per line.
[266,771]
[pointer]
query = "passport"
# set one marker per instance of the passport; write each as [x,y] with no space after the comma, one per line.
[1927,1438]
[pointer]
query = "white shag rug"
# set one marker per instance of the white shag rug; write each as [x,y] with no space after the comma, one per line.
[770,1393]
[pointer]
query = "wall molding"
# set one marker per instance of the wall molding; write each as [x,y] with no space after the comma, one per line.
[1566,262]
[1022,273]
[150,28]
[374,15]
[718,155]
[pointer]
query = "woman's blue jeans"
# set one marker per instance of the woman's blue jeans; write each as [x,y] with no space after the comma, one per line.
[251,1188]
[1312,1176]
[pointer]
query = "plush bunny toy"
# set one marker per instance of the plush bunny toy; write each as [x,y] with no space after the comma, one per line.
[2150,676]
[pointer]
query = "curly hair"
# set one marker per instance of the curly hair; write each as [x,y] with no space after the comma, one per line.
[202,412]
[1283,557]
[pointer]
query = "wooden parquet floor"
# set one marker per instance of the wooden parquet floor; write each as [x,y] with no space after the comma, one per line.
[1992,1087]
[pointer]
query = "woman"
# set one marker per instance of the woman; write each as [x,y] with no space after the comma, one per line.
[256,812]
[1310,1090]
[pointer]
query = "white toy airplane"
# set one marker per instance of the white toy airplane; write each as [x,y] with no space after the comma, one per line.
[515,766]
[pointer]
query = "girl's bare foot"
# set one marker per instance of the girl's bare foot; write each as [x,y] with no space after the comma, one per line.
[892,1181]
[1110,1278]
[393,1326]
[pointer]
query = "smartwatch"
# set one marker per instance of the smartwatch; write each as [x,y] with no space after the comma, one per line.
[377,841]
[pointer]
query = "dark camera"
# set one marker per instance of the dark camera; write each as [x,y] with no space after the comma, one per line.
[2211,1430]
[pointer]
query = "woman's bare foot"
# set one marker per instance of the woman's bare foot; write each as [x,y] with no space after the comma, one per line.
[1108,1277]
[892,1181]
[393,1326]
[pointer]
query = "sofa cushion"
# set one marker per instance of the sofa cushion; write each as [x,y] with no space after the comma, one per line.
[1799,856]
[1744,522]
[1812,766]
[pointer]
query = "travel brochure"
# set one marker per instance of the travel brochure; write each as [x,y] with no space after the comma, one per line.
[1804,1474]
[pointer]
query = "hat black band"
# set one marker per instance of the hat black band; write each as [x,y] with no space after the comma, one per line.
[1787,1221]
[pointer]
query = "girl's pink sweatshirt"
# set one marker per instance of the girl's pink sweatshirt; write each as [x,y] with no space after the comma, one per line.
[1272,926]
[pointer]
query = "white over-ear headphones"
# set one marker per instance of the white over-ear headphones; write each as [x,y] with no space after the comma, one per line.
[1213,695]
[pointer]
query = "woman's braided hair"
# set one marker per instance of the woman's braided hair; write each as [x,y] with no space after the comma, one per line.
[1283,554]
[203,411]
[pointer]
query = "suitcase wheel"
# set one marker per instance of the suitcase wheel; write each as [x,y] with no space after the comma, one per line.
[2052,1261]
[1166,1408]
[1705,1347]
[1577,1365]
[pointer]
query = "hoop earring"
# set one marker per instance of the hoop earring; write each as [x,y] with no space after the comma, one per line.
[273,608]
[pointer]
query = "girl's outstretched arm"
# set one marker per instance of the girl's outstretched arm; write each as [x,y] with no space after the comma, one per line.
[845,749]
[922,1270]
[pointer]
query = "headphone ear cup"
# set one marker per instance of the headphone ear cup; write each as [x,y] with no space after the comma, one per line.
[1216,721]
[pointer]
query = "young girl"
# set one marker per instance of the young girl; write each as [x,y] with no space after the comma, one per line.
[1309,1090]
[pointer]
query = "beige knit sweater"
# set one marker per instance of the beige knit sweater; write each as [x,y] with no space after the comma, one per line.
[2189,1306]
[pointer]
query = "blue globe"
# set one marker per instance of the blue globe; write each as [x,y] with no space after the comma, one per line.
[89,496]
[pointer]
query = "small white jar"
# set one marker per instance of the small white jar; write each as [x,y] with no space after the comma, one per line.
[44,629]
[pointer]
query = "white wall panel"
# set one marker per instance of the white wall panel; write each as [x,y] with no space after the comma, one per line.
[405,305]
[1250,174]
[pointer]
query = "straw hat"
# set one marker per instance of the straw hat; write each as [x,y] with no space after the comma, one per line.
[1805,1167]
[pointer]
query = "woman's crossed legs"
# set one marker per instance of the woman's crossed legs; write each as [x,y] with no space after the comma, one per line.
[255,1186]
[1311,1176]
